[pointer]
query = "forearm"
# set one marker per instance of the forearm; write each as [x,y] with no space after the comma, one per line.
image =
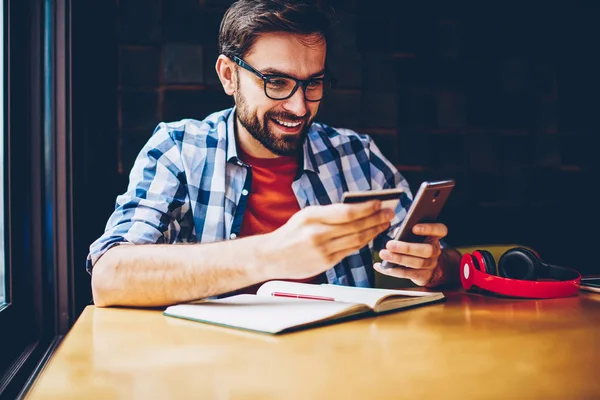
[164,274]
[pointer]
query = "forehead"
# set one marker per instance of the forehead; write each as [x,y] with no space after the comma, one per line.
[298,55]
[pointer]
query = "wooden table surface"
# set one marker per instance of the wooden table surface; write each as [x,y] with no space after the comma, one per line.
[470,346]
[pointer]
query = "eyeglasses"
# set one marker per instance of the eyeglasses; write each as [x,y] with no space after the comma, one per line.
[281,87]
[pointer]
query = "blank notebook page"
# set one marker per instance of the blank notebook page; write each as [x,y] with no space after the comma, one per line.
[261,313]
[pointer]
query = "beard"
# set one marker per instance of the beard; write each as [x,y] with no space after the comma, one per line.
[281,145]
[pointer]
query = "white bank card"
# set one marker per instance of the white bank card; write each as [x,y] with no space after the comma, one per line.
[389,197]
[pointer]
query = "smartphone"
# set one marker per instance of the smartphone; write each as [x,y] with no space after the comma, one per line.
[389,197]
[426,207]
[590,284]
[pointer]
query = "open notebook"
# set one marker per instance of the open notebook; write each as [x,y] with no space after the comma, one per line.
[281,306]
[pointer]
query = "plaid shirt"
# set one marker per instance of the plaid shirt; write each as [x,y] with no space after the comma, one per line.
[188,185]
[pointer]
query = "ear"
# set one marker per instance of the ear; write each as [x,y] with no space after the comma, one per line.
[226,71]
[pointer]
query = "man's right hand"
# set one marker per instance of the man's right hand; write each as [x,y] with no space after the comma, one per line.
[318,237]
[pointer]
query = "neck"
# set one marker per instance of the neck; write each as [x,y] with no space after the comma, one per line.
[249,144]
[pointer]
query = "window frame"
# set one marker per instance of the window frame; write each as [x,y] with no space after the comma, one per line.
[37,188]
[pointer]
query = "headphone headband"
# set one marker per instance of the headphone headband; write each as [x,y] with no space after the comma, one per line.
[470,275]
[558,273]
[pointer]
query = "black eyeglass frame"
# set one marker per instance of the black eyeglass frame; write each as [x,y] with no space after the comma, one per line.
[326,79]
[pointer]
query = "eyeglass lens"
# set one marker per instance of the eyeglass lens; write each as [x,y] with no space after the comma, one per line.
[281,88]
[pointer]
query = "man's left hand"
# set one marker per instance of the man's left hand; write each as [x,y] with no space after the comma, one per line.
[419,262]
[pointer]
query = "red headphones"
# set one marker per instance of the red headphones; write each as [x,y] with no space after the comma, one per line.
[517,275]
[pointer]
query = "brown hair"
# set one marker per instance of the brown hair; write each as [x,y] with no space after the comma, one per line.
[245,20]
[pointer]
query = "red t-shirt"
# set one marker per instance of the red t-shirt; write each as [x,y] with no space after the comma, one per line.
[271,201]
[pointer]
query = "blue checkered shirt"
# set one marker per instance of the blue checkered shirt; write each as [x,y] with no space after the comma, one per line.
[188,185]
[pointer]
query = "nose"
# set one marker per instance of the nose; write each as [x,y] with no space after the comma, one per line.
[297,103]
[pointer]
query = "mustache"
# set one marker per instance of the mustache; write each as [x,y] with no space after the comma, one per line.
[288,116]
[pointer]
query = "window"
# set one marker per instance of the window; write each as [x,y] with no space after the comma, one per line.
[33,143]
[40,110]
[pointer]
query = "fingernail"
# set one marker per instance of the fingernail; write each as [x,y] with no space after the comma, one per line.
[389,213]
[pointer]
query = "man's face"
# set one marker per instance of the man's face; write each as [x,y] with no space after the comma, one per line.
[280,126]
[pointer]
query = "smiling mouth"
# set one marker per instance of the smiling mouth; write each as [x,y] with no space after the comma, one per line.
[288,124]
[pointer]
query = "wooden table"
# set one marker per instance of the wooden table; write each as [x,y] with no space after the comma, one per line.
[471,346]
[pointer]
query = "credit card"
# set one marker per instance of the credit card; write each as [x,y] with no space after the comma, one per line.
[388,197]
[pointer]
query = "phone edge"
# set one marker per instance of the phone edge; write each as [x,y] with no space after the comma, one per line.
[424,186]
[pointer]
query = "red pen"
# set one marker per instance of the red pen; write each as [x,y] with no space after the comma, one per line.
[301,296]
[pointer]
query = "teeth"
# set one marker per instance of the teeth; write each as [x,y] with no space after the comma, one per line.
[288,124]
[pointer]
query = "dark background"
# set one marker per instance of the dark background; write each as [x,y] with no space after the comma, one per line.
[502,100]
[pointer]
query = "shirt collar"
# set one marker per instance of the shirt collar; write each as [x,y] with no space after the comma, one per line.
[310,163]
[307,148]
[231,154]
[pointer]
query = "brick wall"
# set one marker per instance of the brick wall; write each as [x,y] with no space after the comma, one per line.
[501,100]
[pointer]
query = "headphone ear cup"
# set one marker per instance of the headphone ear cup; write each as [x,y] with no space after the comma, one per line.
[519,263]
[478,261]
[490,263]
[484,262]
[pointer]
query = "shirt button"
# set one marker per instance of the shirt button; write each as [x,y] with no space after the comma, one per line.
[232,236]
[244,192]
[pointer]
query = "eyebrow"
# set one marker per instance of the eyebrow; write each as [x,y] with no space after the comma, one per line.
[274,71]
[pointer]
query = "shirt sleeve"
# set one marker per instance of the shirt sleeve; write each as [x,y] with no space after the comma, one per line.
[154,197]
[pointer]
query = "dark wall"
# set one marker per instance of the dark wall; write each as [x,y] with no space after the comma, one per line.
[504,101]
[167,51]
[95,132]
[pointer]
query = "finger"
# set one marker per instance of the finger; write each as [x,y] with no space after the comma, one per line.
[434,229]
[381,217]
[340,213]
[419,276]
[423,250]
[350,243]
[407,261]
